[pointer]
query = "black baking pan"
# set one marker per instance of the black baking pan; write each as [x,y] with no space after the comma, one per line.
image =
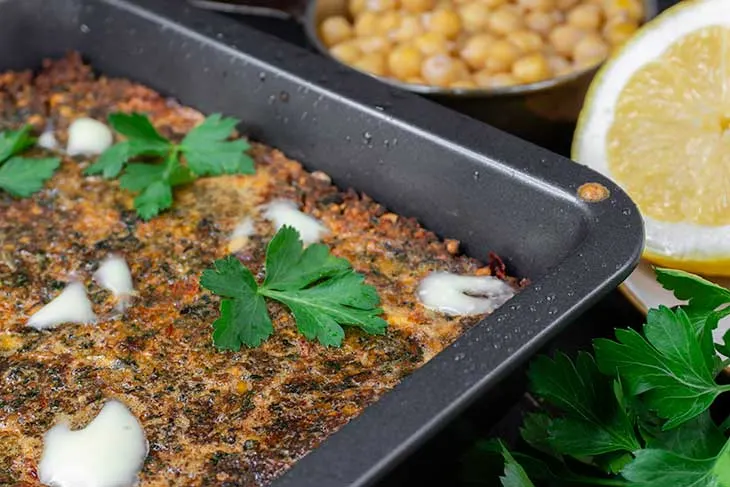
[459,177]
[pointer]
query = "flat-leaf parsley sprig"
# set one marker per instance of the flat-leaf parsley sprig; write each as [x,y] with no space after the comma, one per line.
[322,291]
[206,151]
[636,412]
[23,176]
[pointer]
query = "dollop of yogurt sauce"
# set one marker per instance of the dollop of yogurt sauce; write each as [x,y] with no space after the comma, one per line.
[87,136]
[109,452]
[285,212]
[47,140]
[71,306]
[457,295]
[114,274]
[239,237]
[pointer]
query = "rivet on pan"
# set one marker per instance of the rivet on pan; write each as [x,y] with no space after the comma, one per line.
[593,192]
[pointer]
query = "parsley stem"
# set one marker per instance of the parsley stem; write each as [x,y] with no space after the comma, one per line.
[171,161]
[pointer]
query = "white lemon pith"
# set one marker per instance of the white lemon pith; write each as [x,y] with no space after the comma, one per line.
[657,121]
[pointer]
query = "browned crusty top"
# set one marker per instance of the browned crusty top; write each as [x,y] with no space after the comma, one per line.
[211,418]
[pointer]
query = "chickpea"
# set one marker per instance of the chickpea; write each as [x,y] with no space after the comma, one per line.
[501,56]
[445,22]
[526,40]
[624,9]
[417,80]
[347,52]
[442,70]
[531,68]
[373,44]
[485,79]
[335,30]
[559,65]
[373,63]
[591,50]
[432,43]
[463,84]
[566,4]
[482,78]
[542,22]
[504,20]
[587,17]
[494,3]
[366,24]
[410,27]
[619,32]
[388,23]
[418,6]
[404,62]
[564,38]
[476,50]
[537,5]
[381,5]
[356,7]
[474,16]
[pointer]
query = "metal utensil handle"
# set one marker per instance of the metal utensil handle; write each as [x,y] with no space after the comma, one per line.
[266,8]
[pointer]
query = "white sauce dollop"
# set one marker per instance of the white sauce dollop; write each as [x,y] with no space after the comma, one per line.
[114,274]
[457,295]
[109,452]
[47,140]
[87,136]
[71,306]
[240,234]
[285,212]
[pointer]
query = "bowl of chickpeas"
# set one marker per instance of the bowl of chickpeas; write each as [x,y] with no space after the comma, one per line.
[521,65]
[517,64]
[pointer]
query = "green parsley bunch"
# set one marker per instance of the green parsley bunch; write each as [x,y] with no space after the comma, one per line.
[636,411]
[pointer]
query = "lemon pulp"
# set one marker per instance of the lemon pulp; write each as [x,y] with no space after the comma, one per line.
[669,143]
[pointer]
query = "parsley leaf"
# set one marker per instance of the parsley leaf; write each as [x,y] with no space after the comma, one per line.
[698,438]
[22,176]
[593,421]
[668,367]
[535,431]
[244,318]
[662,468]
[206,151]
[321,290]
[514,474]
[155,198]
[700,292]
[209,153]
[13,142]
[704,298]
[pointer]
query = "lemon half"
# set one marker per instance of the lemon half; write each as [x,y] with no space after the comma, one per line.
[657,121]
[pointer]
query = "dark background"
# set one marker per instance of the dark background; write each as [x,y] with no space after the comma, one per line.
[440,461]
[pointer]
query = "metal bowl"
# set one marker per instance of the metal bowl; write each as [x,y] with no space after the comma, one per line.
[544,112]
